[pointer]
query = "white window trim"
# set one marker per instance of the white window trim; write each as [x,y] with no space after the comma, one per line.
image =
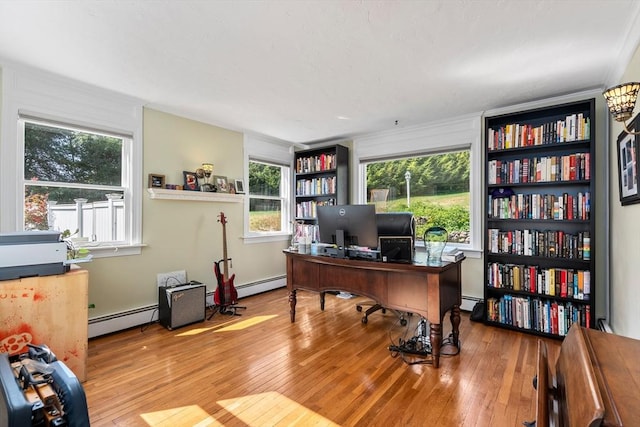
[459,133]
[50,97]
[260,148]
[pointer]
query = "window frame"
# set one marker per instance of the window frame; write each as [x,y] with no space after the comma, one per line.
[463,133]
[365,163]
[124,186]
[284,198]
[46,97]
[258,148]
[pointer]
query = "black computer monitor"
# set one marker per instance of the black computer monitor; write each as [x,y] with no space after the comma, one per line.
[348,225]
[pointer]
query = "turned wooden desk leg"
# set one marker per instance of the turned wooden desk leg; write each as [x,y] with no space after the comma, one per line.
[292,305]
[435,336]
[455,324]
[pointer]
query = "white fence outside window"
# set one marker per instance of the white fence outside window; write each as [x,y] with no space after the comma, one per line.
[102,221]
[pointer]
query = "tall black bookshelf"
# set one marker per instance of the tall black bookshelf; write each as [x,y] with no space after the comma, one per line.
[540,246]
[321,177]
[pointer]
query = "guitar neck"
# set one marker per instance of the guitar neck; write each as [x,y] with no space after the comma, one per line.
[225,258]
[224,252]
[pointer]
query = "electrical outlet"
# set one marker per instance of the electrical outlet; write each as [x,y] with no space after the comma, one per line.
[172,278]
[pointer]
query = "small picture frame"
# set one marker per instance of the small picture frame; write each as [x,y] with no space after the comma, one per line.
[156,180]
[222,186]
[239,186]
[627,145]
[190,181]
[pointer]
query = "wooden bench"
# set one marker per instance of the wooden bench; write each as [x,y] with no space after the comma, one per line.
[590,383]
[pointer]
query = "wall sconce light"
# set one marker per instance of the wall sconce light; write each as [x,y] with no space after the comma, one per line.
[621,100]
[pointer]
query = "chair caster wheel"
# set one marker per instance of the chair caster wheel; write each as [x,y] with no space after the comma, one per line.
[364,320]
[403,322]
[359,308]
[384,310]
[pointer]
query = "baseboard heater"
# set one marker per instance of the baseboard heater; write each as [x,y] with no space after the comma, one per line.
[115,322]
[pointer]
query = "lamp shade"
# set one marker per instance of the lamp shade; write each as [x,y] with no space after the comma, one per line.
[207,168]
[621,100]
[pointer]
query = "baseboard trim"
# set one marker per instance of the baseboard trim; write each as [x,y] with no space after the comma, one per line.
[468,302]
[103,325]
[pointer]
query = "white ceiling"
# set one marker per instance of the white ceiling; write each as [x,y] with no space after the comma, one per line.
[306,71]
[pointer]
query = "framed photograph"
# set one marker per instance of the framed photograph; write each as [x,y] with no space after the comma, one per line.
[239,186]
[156,181]
[222,186]
[628,166]
[190,181]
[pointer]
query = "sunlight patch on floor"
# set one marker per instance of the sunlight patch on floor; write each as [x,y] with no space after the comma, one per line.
[246,323]
[195,331]
[192,415]
[273,409]
[228,326]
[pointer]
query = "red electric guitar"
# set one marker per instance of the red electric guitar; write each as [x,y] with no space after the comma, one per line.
[225,296]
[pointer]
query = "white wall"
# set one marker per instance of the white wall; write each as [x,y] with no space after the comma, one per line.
[183,235]
[624,238]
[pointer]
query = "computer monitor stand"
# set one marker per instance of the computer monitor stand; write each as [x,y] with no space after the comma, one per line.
[342,252]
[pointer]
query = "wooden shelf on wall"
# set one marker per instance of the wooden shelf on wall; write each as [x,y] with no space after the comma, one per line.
[198,196]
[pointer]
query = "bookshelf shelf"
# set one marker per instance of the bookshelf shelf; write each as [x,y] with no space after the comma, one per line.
[539,225]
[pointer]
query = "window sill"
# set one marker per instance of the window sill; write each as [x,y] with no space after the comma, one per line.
[266,238]
[199,196]
[111,251]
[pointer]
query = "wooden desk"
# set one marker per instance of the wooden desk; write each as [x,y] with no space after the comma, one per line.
[427,291]
[50,310]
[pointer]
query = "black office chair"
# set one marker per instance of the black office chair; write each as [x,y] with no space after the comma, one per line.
[401,228]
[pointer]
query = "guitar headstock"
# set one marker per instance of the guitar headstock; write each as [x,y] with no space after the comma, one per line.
[222,219]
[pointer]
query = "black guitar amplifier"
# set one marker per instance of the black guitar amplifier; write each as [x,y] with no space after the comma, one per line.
[181,305]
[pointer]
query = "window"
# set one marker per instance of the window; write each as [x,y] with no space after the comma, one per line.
[268,197]
[75,182]
[435,187]
[54,108]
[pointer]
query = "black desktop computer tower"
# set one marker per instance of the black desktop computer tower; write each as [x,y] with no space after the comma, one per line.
[181,305]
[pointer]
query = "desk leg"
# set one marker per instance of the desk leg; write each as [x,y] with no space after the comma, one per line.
[455,324]
[435,336]
[292,305]
[321,301]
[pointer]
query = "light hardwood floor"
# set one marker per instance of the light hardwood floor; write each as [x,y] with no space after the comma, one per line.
[327,369]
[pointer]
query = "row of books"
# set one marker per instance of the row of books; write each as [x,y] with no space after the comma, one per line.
[575,127]
[541,206]
[549,317]
[309,209]
[544,243]
[316,186]
[562,282]
[570,167]
[307,230]
[318,163]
